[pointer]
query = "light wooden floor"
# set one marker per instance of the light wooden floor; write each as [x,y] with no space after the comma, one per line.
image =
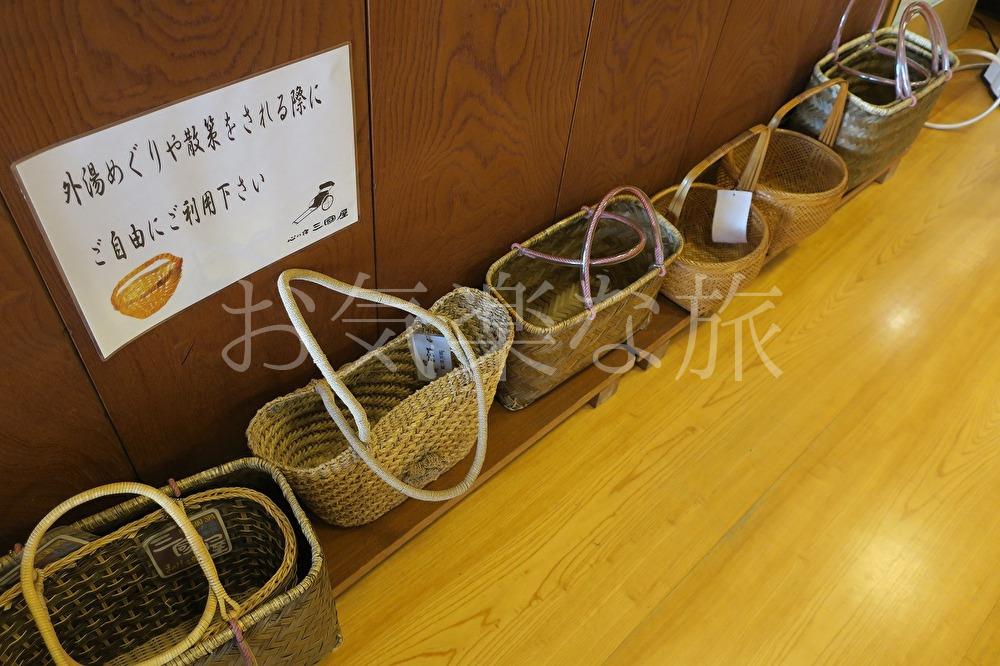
[847,511]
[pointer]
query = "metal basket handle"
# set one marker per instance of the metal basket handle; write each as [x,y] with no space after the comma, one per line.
[32,582]
[359,436]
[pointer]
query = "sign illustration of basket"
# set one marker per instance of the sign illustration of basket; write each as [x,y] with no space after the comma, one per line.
[706,272]
[885,108]
[405,433]
[802,180]
[151,587]
[148,287]
[562,326]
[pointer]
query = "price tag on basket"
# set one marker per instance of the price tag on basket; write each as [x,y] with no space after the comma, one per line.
[732,213]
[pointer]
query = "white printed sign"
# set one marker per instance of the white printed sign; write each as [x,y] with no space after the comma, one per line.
[153,214]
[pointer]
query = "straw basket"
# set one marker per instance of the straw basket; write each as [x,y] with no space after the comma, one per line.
[885,108]
[706,272]
[146,289]
[405,433]
[229,572]
[562,326]
[802,180]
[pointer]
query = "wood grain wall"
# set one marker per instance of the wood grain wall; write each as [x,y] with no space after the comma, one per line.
[471,109]
[71,67]
[52,423]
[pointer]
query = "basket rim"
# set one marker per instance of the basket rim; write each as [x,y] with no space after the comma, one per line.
[800,198]
[721,267]
[667,230]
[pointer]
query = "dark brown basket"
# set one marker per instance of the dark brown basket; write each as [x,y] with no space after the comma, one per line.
[109,603]
[555,336]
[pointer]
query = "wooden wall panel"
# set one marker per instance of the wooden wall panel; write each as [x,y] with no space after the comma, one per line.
[72,66]
[764,57]
[471,109]
[55,438]
[644,72]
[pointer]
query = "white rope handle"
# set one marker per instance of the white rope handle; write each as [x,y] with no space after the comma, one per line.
[992,57]
[31,583]
[359,436]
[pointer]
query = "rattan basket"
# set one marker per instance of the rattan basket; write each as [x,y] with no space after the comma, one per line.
[404,433]
[802,180]
[885,109]
[562,327]
[116,600]
[707,273]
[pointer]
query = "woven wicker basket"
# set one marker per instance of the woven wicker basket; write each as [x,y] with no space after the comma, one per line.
[108,602]
[404,434]
[706,273]
[561,326]
[145,290]
[879,123]
[802,180]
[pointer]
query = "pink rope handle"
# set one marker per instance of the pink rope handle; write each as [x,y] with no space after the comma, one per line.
[602,261]
[874,45]
[940,62]
[595,219]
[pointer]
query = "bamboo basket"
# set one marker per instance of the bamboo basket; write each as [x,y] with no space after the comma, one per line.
[707,274]
[885,109]
[802,180]
[263,576]
[404,434]
[562,326]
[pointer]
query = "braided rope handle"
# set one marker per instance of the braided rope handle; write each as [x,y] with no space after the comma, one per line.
[831,129]
[359,436]
[32,581]
[748,179]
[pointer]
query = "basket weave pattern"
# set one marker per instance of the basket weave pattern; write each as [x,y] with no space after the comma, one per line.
[720,267]
[110,606]
[419,430]
[555,339]
[877,128]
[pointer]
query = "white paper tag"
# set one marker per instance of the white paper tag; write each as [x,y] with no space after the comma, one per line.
[732,212]
[432,356]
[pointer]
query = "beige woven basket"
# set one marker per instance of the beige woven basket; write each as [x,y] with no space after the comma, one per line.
[879,123]
[802,180]
[115,600]
[561,326]
[706,272]
[405,433]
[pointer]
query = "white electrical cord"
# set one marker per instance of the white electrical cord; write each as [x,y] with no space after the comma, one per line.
[978,65]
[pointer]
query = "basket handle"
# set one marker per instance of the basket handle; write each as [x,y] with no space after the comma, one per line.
[873,44]
[940,62]
[600,261]
[359,436]
[588,244]
[748,179]
[831,129]
[31,582]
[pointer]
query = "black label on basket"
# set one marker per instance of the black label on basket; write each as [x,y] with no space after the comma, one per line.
[54,546]
[170,551]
